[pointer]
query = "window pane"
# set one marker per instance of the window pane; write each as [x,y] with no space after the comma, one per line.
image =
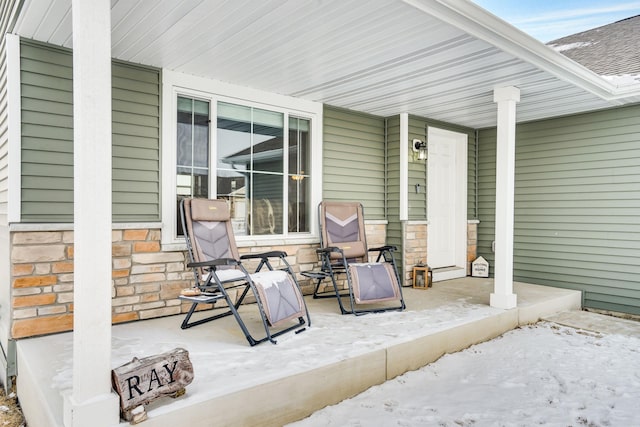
[201,134]
[266,204]
[185,132]
[237,113]
[299,204]
[298,146]
[233,186]
[255,200]
[298,181]
[268,141]
[234,137]
[192,150]
[233,161]
[250,140]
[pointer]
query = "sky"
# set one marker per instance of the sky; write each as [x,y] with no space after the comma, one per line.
[547,20]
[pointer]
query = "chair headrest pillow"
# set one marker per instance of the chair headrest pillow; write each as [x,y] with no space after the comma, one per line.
[209,210]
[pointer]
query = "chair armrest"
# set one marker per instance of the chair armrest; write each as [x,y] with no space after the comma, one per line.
[214,263]
[271,254]
[328,249]
[383,248]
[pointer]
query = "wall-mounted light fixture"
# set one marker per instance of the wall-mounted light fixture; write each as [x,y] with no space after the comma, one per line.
[420,147]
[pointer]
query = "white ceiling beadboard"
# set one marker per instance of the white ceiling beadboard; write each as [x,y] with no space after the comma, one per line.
[378,56]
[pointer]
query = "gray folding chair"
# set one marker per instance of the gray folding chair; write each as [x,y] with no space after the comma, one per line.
[218,269]
[372,286]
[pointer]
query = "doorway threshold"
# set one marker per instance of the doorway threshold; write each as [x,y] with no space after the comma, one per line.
[447,273]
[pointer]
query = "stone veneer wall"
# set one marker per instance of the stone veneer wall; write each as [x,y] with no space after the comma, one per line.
[472,244]
[146,280]
[416,247]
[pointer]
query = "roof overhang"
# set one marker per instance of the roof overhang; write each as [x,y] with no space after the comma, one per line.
[485,26]
[440,59]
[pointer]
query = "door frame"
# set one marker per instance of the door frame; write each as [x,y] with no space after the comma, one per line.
[460,221]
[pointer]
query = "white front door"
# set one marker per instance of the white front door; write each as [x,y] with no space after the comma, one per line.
[447,199]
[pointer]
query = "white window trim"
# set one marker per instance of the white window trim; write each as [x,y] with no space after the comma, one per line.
[174,84]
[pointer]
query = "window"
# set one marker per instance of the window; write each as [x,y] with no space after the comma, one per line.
[252,148]
[192,151]
[255,164]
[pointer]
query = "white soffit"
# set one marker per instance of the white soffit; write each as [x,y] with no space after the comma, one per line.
[378,56]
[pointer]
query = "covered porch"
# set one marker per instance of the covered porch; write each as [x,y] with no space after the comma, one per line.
[447,61]
[272,385]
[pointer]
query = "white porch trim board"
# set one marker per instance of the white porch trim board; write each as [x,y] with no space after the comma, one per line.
[91,401]
[503,296]
[404,170]
[14,107]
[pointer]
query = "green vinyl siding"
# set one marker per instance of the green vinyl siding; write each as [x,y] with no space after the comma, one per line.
[577,198]
[47,134]
[136,143]
[487,194]
[47,138]
[354,159]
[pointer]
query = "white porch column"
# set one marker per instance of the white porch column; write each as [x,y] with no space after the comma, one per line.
[503,296]
[404,166]
[91,402]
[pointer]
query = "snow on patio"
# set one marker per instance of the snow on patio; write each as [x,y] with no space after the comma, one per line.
[545,374]
[228,371]
[223,366]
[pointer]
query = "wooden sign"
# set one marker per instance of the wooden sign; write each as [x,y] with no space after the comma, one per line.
[143,380]
[480,267]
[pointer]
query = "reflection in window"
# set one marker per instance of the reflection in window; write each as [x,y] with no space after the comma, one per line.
[192,157]
[298,181]
[250,166]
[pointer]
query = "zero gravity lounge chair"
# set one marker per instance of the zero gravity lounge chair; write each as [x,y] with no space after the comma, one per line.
[372,286]
[219,272]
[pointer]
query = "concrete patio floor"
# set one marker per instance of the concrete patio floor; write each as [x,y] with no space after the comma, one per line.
[271,385]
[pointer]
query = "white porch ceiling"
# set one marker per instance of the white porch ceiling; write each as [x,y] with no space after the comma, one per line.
[382,57]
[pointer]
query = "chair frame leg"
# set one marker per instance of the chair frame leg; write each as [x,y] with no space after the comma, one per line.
[233,310]
[213,282]
[186,324]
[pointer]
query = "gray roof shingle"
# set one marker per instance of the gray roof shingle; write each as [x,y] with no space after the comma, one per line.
[610,50]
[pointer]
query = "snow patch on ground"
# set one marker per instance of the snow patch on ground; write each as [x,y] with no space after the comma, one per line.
[543,374]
